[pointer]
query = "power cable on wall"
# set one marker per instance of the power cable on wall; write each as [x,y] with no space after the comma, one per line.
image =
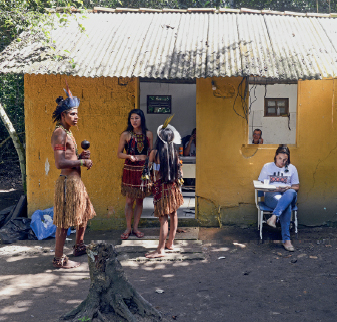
[243,99]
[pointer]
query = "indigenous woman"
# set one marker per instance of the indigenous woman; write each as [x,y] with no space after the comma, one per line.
[282,174]
[167,178]
[137,142]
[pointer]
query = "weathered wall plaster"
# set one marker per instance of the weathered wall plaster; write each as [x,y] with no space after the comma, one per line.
[226,166]
[102,117]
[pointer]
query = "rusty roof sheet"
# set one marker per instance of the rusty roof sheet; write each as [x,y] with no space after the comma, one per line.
[176,45]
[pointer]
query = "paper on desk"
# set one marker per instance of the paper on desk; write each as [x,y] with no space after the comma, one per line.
[259,185]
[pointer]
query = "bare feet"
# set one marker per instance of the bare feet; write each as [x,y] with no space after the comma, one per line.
[179,230]
[64,262]
[170,247]
[154,254]
[272,221]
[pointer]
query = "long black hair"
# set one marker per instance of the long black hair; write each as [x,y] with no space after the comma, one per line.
[139,112]
[285,150]
[168,156]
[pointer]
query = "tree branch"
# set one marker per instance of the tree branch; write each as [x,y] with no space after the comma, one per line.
[17,144]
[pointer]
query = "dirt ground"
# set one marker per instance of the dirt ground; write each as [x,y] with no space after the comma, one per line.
[238,277]
[10,184]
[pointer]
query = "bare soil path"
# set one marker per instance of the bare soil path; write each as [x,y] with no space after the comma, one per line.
[238,278]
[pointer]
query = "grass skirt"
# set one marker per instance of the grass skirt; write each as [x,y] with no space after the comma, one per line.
[167,198]
[72,206]
[132,184]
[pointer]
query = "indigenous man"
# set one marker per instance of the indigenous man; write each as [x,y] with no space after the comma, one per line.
[72,206]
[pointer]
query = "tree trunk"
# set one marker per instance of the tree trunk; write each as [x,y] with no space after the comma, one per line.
[110,295]
[17,144]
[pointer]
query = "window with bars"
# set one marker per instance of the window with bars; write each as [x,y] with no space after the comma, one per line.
[276,107]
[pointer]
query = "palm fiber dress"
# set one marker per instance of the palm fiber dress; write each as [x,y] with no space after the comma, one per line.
[167,197]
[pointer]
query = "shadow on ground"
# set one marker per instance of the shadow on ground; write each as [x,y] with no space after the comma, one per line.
[237,278]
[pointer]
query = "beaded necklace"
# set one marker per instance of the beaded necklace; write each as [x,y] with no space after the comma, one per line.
[140,141]
[68,133]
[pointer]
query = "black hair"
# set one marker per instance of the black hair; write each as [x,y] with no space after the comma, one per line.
[139,112]
[258,130]
[285,150]
[63,106]
[165,151]
[194,131]
[260,134]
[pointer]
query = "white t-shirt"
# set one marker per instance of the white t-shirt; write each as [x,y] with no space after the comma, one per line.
[279,177]
[192,149]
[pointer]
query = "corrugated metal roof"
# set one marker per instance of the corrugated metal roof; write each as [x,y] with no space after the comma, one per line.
[171,45]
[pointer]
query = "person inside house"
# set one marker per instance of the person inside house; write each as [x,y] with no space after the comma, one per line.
[282,174]
[136,140]
[257,137]
[190,150]
[190,145]
[72,206]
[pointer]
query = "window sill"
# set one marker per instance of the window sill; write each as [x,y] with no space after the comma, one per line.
[266,146]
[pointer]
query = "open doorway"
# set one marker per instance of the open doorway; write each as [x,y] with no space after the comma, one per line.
[158,99]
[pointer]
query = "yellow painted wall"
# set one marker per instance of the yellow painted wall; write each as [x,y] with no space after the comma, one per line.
[103,112]
[317,151]
[226,168]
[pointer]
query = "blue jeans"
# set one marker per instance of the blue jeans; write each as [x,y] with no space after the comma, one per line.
[282,203]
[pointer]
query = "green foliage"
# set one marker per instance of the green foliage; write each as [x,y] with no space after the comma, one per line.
[31,15]
[84,319]
[15,17]
[321,6]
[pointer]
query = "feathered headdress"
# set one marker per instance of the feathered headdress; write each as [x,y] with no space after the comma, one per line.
[176,139]
[176,135]
[71,101]
[65,104]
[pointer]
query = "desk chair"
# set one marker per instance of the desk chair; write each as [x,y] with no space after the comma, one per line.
[262,209]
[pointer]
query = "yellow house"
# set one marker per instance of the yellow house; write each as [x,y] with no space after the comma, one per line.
[226,56]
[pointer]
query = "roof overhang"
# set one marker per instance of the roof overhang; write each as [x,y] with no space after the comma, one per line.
[183,45]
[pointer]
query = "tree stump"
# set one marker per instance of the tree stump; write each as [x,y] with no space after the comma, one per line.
[110,292]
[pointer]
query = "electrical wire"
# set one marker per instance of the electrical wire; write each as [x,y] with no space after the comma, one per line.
[244,103]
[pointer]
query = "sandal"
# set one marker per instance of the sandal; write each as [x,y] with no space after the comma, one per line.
[79,249]
[289,248]
[126,235]
[138,234]
[64,262]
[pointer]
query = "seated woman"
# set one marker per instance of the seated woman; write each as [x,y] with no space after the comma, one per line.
[282,174]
